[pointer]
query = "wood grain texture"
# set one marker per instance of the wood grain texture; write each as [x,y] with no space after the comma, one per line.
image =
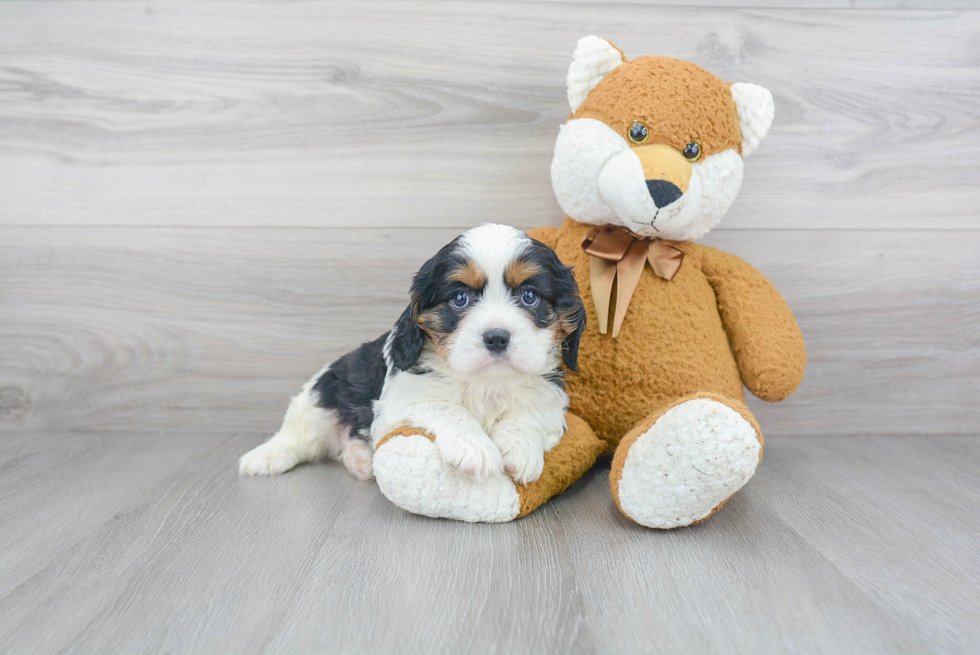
[214,329]
[194,196]
[387,114]
[201,560]
[902,490]
[789,4]
[201,203]
[75,482]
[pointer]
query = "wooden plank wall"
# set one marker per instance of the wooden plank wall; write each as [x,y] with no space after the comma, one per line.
[201,203]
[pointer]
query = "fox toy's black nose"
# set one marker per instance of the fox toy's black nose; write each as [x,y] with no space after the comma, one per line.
[496,340]
[663,192]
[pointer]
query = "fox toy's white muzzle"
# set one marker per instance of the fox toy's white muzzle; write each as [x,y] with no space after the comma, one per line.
[651,189]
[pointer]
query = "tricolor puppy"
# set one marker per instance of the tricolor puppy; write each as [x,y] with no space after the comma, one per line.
[476,360]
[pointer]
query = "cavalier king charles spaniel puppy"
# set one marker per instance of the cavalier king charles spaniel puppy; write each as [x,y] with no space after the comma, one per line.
[477,360]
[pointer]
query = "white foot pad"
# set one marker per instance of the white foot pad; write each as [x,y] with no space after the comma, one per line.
[695,456]
[411,474]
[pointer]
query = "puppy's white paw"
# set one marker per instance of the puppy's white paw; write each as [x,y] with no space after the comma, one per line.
[359,459]
[554,432]
[523,460]
[471,453]
[271,458]
[523,463]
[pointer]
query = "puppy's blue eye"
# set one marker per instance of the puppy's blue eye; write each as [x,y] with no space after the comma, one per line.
[460,300]
[529,298]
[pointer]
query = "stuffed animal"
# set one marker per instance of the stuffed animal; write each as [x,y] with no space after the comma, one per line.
[650,159]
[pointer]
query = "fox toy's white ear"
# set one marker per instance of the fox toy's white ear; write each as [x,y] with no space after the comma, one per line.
[592,61]
[755,113]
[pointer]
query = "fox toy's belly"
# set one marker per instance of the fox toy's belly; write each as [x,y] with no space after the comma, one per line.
[672,343]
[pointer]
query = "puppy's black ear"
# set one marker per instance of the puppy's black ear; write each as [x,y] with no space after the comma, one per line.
[407,342]
[572,312]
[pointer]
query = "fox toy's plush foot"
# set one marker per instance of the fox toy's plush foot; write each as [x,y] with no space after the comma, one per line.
[684,461]
[411,474]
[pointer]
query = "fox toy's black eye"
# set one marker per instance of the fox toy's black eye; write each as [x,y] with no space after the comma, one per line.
[692,151]
[460,300]
[639,132]
[529,297]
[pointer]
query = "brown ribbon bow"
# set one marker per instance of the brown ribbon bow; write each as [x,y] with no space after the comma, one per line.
[618,254]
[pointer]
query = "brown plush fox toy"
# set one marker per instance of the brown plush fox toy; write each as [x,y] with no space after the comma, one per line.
[650,159]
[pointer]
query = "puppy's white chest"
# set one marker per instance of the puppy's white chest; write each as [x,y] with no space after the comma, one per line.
[488,401]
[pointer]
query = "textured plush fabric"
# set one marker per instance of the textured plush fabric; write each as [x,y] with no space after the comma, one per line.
[415,479]
[592,61]
[679,102]
[761,328]
[643,428]
[756,111]
[564,464]
[402,432]
[411,474]
[718,323]
[674,341]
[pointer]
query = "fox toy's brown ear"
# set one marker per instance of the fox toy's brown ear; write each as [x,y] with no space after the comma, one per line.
[593,59]
[755,113]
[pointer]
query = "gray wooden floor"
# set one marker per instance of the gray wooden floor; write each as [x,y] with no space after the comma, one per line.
[133,543]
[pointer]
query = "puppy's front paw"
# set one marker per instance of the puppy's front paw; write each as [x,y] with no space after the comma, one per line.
[554,433]
[471,453]
[271,458]
[522,459]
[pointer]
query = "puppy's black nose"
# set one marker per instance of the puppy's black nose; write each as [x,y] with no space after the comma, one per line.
[663,192]
[496,340]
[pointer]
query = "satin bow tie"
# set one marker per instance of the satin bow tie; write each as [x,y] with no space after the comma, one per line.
[618,254]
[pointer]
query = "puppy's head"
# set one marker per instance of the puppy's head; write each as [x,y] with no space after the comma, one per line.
[493,300]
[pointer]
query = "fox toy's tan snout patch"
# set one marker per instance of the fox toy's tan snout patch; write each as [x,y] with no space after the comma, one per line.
[666,172]
[663,163]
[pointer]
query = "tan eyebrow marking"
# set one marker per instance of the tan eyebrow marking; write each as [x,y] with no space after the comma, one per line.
[470,275]
[520,271]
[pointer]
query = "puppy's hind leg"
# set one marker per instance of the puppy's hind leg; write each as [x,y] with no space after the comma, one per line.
[359,459]
[309,432]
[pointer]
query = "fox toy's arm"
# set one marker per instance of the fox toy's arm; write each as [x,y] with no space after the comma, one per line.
[762,331]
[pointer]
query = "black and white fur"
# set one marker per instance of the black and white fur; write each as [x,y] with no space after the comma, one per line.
[475,360]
